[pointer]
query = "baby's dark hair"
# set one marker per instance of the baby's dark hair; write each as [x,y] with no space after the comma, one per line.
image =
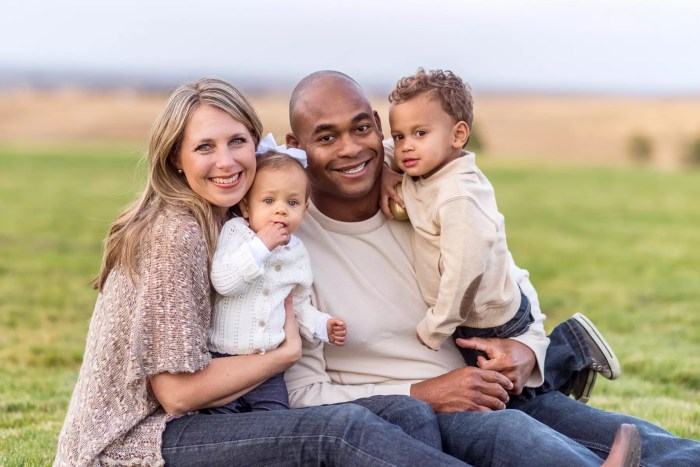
[454,94]
[273,160]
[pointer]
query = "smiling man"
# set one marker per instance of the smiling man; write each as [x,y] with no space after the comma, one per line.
[347,148]
[363,268]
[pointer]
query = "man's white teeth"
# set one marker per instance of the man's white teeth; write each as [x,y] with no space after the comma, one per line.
[355,170]
[231,179]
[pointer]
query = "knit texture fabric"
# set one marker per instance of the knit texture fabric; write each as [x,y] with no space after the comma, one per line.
[157,324]
[249,308]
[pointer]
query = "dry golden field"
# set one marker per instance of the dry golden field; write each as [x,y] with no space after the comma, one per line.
[555,129]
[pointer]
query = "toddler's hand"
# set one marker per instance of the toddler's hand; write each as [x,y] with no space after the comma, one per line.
[390,180]
[273,235]
[336,331]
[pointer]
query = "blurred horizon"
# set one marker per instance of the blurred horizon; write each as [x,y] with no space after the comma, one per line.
[585,47]
[39,79]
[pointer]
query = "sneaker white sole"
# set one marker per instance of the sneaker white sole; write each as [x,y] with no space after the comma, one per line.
[610,358]
[587,388]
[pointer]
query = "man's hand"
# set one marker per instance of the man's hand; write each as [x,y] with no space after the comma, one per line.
[388,190]
[467,389]
[512,359]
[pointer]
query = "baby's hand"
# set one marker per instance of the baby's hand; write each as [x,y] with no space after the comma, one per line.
[390,180]
[336,331]
[273,235]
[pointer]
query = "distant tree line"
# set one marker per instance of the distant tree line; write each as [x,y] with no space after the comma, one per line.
[640,149]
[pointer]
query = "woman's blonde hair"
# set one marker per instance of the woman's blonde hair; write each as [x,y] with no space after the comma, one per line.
[164,186]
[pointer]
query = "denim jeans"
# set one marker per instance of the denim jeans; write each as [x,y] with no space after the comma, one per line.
[587,425]
[507,437]
[516,326]
[414,417]
[271,394]
[344,434]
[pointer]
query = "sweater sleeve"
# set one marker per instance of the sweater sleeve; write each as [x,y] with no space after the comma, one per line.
[174,307]
[308,316]
[309,385]
[535,337]
[466,237]
[234,266]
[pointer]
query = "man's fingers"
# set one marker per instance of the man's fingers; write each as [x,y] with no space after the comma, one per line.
[397,199]
[384,205]
[498,378]
[475,343]
[486,364]
[488,403]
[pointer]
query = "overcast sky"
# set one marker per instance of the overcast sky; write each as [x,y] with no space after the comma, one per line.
[633,46]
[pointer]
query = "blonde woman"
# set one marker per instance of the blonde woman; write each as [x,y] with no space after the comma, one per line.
[147,371]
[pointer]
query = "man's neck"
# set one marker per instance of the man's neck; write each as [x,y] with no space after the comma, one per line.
[348,210]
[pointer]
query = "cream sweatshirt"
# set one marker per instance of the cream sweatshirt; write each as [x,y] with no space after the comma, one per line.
[461,255]
[364,275]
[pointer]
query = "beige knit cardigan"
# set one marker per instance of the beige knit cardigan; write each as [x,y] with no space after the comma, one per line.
[140,329]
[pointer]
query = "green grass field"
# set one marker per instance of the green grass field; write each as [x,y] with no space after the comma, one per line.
[618,245]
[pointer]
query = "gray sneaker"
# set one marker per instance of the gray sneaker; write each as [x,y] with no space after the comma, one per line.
[583,385]
[604,360]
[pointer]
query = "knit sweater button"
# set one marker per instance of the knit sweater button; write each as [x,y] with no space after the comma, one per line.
[278,268]
[266,292]
[261,323]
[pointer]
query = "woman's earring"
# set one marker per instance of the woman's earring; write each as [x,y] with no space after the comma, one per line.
[179,171]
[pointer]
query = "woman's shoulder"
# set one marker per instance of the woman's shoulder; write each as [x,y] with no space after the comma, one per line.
[175,232]
[178,217]
[177,225]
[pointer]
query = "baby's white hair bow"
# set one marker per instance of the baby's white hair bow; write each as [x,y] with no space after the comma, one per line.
[268,144]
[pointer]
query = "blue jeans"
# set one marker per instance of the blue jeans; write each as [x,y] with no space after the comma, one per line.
[503,438]
[509,438]
[516,326]
[271,394]
[587,425]
[343,434]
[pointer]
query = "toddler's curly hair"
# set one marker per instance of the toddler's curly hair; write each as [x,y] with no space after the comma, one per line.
[454,94]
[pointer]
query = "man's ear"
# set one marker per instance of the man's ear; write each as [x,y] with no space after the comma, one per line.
[291,140]
[460,135]
[243,204]
[378,121]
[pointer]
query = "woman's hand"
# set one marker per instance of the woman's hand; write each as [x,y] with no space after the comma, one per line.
[290,348]
[227,378]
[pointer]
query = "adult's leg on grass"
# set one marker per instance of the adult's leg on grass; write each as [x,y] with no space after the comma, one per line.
[344,434]
[596,429]
[511,438]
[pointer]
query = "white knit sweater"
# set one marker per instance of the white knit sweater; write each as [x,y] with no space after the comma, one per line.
[248,313]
